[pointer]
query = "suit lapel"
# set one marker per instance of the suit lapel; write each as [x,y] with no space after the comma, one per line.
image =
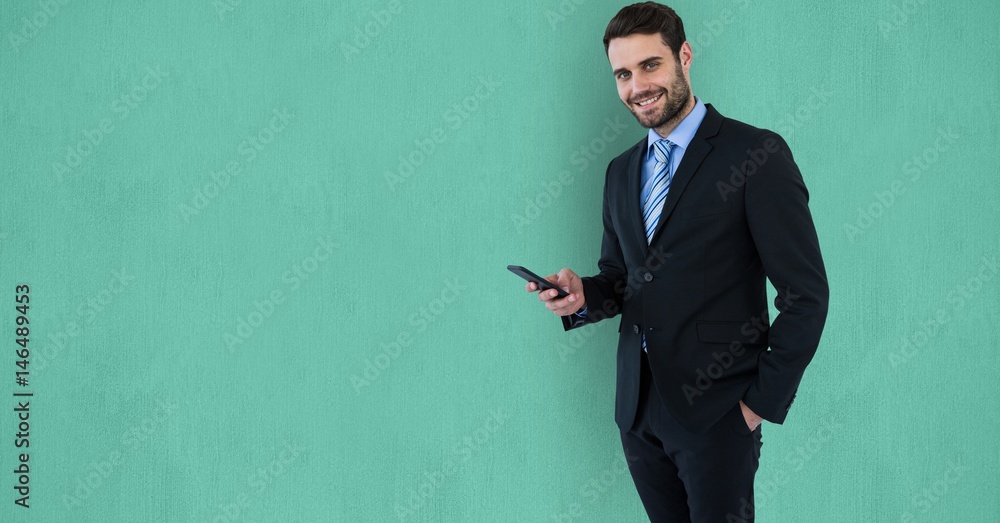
[635,192]
[695,154]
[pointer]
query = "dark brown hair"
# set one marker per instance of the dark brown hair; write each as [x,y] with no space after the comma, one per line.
[647,18]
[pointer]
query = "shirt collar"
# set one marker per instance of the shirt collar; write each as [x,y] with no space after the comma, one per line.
[684,132]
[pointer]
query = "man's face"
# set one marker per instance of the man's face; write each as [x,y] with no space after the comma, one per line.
[651,81]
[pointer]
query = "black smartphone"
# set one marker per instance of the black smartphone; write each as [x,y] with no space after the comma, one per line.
[542,283]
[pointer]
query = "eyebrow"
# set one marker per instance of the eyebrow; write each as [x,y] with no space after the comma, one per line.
[642,63]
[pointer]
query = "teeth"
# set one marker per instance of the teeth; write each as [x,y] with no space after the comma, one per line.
[649,101]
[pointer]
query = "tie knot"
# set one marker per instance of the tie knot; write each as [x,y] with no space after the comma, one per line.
[662,149]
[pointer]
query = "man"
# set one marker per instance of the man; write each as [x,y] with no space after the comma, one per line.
[697,217]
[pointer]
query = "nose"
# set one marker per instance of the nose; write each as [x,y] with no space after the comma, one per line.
[639,85]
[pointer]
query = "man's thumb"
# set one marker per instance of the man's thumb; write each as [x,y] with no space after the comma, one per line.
[564,277]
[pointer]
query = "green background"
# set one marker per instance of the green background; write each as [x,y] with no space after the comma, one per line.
[271,286]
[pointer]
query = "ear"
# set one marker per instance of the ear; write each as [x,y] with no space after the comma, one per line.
[686,56]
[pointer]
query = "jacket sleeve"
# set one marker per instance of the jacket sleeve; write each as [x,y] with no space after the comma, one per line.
[604,292]
[777,212]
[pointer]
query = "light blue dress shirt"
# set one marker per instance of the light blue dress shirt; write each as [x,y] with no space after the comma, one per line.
[681,136]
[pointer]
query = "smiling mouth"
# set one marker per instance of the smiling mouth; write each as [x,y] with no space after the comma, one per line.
[649,101]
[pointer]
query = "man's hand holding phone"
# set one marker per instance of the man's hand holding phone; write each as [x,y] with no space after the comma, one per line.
[567,280]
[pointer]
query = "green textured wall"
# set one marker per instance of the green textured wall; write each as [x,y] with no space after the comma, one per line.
[265,244]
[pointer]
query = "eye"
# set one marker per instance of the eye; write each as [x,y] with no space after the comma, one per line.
[651,65]
[623,75]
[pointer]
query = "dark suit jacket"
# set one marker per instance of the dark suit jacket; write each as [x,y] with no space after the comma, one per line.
[736,214]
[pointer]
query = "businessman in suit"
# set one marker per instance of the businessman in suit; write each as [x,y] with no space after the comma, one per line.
[697,216]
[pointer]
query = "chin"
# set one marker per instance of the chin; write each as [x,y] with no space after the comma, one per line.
[649,121]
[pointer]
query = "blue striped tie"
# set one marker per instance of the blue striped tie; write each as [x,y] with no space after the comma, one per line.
[660,185]
[653,206]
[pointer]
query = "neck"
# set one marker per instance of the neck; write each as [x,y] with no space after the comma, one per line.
[665,129]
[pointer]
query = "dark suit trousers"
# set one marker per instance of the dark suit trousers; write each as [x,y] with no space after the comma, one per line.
[686,477]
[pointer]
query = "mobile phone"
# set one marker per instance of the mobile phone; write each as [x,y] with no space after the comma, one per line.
[542,283]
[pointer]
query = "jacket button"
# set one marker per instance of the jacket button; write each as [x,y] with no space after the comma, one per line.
[648,277]
[635,329]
